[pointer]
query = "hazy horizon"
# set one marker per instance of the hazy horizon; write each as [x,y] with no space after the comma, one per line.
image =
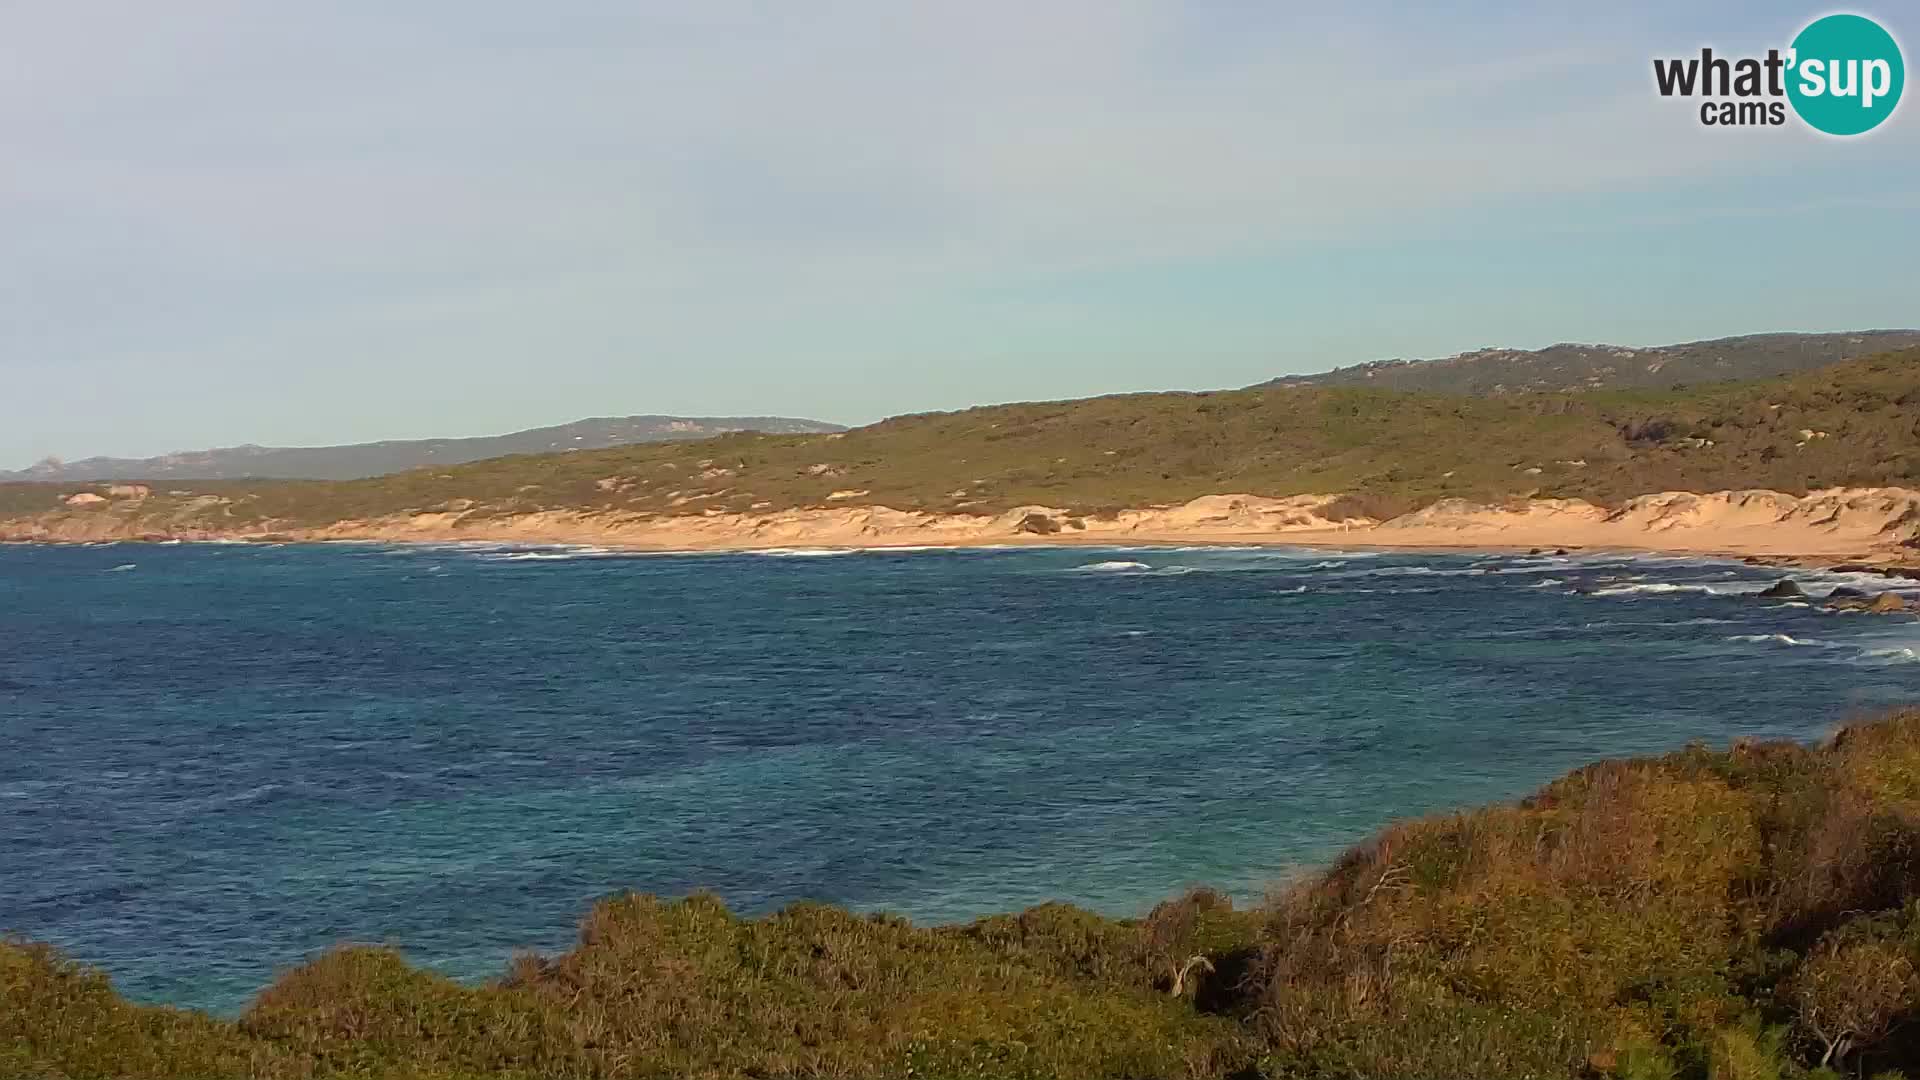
[229,225]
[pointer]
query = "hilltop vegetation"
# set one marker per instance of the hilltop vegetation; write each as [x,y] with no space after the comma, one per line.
[1856,423]
[1569,366]
[379,458]
[1748,914]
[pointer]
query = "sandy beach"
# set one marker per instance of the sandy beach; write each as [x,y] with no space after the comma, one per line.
[1877,526]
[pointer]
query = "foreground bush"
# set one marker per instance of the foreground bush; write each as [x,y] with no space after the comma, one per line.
[1752,914]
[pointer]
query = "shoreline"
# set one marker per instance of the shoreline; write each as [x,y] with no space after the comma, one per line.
[1871,528]
[1892,568]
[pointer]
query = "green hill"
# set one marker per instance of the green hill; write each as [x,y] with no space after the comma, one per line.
[380,458]
[1737,915]
[1856,423]
[1569,366]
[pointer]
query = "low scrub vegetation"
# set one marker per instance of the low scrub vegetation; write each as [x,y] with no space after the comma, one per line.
[1856,423]
[1745,914]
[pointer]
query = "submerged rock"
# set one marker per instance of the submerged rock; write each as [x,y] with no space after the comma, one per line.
[1846,592]
[1886,603]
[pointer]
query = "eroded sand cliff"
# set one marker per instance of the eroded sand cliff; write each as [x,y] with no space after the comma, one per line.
[1874,524]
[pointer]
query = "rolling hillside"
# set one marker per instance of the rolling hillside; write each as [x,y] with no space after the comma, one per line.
[1612,367]
[1856,423]
[379,458]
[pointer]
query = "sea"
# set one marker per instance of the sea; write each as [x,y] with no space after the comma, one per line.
[218,760]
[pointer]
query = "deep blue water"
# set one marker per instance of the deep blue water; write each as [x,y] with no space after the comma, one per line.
[215,760]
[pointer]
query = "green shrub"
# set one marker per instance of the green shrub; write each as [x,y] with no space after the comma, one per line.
[1739,915]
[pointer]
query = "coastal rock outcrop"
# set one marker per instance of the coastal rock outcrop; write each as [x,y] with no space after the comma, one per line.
[1887,603]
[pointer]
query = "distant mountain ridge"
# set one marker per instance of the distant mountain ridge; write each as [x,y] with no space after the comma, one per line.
[1570,366]
[360,460]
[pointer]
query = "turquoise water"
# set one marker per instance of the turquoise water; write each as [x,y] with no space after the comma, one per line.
[215,760]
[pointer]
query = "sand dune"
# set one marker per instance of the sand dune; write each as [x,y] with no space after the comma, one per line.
[1869,524]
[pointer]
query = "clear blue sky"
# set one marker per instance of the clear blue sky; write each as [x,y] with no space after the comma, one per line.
[227,222]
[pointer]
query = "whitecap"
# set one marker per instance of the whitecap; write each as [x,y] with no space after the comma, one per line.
[252,794]
[1651,588]
[1781,639]
[1411,571]
[122,568]
[1701,621]
[1895,655]
[801,552]
[1114,566]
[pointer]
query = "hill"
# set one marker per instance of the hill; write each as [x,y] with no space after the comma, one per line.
[1569,366]
[1853,424]
[1746,914]
[379,458]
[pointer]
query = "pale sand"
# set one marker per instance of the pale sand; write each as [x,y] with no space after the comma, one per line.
[1875,525]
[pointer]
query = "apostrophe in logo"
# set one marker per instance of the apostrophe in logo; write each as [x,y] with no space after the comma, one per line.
[1845,75]
[1842,75]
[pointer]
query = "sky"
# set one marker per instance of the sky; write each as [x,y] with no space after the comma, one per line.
[231,222]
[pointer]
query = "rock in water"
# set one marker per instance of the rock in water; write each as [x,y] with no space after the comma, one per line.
[1887,603]
[1785,588]
[1846,592]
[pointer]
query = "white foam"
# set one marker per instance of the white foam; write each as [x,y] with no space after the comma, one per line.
[252,794]
[1896,655]
[122,568]
[1411,571]
[1782,639]
[801,553]
[1114,566]
[1860,654]
[1702,621]
[1653,588]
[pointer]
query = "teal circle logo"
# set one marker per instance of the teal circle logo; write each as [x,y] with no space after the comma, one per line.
[1845,74]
